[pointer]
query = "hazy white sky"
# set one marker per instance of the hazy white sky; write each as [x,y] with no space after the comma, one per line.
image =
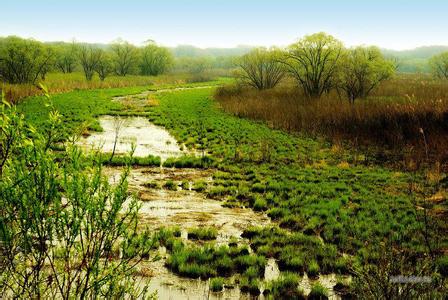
[395,24]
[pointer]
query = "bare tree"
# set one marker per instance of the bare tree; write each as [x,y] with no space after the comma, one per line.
[312,61]
[261,68]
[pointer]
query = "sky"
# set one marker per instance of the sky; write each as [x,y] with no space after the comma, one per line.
[393,24]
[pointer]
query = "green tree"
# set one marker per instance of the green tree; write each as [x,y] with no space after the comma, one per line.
[88,57]
[23,60]
[361,70]
[65,233]
[104,65]
[66,59]
[312,61]
[155,60]
[261,68]
[439,65]
[125,57]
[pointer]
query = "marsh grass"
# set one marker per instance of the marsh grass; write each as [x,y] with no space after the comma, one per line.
[203,233]
[391,119]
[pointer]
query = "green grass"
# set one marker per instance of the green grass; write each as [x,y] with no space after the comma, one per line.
[120,160]
[170,185]
[202,233]
[318,292]
[188,162]
[216,284]
[306,186]
[327,202]
[286,287]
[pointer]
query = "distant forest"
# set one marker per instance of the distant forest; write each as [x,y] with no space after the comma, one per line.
[409,61]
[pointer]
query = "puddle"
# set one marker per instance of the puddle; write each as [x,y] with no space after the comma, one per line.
[185,208]
[147,137]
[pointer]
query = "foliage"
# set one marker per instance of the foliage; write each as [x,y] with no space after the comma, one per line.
[61,223]
[312,62]
[104,66]
[155,60]
[439,65]
[88,57]
[261,68]
[66,58]
[362,70]
[125,57]
[23,60]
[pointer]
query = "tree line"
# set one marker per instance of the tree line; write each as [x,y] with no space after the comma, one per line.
[27,60]
[320,63]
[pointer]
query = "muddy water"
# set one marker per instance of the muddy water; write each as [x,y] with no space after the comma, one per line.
[185,208]
[128,131]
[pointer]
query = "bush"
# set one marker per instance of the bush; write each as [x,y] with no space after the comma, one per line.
[23,60]
[52,211]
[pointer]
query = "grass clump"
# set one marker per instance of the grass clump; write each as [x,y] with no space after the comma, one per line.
[152,185]
[199,186]
[216,284]
[286,287]
[318,292]
[203,233]
[170,185]
[188,162]
[120,160]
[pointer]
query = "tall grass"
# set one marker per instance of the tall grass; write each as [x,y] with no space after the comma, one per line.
[59,83]
[408,114]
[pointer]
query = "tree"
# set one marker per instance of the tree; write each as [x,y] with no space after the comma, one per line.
[66,57]
[88,57]
[155,60]
[64,231]
[261,68]
[23,60]
[104,65]
[125,57]
[361,70]
[312,61]
[439,65]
